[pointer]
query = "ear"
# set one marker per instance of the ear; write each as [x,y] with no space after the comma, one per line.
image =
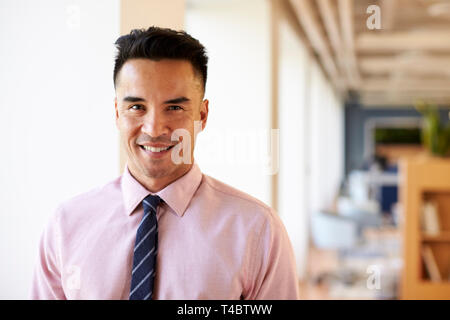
[116,111]
[204,109]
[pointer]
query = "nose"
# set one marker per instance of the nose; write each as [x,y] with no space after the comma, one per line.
[154,124]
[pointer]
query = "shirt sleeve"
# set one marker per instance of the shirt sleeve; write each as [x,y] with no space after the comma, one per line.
[274,268]
[46,283]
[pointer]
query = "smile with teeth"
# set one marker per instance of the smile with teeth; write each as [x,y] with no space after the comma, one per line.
[156,149]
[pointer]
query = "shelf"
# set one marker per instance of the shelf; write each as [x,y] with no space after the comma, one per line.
[425,256]
[444,282]
[442,237]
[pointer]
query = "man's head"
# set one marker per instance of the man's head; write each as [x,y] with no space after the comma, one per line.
[160,43]
[159,77]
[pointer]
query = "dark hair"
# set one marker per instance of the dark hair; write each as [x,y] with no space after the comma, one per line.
[161,43]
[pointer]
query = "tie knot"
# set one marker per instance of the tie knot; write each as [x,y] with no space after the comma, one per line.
[151,202]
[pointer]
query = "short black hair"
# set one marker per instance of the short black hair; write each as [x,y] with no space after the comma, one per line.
[157,43]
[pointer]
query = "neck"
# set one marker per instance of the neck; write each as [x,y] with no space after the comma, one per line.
[155,184]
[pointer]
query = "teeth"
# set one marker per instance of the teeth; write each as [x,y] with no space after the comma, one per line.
[154,149]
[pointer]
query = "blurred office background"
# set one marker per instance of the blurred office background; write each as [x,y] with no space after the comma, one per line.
[337,79]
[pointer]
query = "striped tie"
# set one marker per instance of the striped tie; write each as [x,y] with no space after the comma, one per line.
[145,250]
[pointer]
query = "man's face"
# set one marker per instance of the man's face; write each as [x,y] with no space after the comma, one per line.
[154,98]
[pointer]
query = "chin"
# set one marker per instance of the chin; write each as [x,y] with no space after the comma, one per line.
[154,171]
[158,170]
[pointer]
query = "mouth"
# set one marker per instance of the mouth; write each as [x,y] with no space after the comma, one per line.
[156,151]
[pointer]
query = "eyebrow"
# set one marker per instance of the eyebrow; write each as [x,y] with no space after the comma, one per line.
[177,100]
[171,101]
[133,99]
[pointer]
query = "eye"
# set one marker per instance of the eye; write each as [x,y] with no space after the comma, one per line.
[175,108]
[136,107]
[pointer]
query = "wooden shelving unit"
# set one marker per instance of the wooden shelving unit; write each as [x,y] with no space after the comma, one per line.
[425,179]
[444,236]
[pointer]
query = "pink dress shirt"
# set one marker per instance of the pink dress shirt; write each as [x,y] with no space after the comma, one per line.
[215,242]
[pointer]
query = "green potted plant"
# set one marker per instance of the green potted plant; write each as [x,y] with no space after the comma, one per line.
[435,136]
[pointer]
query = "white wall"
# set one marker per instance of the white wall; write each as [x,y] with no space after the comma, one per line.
[57,128]
[293,104]
[236,36]
[327,142]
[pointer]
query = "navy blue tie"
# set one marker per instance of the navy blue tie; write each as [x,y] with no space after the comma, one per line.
[145,250]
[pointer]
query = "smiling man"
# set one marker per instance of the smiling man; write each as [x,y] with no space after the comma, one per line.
[163,230]
[155,98]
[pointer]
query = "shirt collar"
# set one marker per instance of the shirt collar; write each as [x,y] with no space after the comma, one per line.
[177,194]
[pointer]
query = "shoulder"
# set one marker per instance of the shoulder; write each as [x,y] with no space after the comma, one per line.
[236,200]
[98,193]
[107,195]
[224,190]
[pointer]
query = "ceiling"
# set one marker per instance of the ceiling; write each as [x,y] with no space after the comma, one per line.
[407,59]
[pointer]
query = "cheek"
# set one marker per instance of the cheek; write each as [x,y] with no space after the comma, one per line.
[178,123]
[128,126]
[182,129]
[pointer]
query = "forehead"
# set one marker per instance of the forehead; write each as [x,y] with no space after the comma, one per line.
[166,76]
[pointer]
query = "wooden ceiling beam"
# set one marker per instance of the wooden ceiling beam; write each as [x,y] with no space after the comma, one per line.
[403,41]
[420,65]
[388,13]
[330,21]
[346,15]
[311,26]
[401,85]
[400,100]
